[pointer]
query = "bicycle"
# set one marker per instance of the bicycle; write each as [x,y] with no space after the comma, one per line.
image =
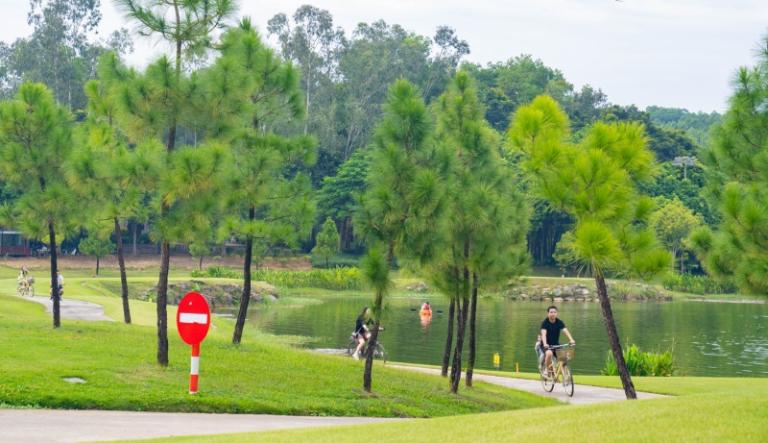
[563,354]
[26,287]
[379,352]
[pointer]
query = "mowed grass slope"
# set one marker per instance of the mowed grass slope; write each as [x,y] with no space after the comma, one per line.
[263,375]
[740,416]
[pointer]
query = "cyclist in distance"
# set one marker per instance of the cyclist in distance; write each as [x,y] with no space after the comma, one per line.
[362,334]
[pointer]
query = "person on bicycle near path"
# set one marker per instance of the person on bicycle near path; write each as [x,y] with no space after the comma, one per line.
[550,335]
[362,334]
[23,281]
[60,284]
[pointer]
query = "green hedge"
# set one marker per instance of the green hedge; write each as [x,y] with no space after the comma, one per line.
[337,278]
[337,261]
[697,284]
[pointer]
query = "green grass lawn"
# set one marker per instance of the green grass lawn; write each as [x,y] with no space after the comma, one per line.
[263,375]
[737,416]
[703,409]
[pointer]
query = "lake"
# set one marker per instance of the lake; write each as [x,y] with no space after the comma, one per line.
[711,339]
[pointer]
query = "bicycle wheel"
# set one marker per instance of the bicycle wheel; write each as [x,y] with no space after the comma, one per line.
[548,383]
[380,352]
[567,380]
[351,346]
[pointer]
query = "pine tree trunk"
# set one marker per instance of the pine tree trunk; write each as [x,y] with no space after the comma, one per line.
[368,374]
[449,338]
[97,266]
[613,337]
[245,298]
[162,300]
[123,277]
[472,331]
[462,317]
[165,247]
[200,264]
[460,333]
[377,304]
[54,277]
[135,239]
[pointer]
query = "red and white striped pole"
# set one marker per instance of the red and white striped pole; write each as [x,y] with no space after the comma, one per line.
[193,318]
[194,369]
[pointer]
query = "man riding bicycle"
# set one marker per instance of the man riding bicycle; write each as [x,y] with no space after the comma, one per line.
[550,336]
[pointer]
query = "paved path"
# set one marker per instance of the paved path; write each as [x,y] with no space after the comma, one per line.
[74,309]
[47,425]
[582,394]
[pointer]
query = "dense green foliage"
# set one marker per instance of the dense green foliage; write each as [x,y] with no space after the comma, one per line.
[673,222]
[326,242]
[336,278]
[61,51]
[696,124]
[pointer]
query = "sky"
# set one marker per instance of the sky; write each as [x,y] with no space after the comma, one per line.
[675,53]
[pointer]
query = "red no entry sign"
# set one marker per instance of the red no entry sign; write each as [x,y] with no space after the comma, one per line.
[193,319]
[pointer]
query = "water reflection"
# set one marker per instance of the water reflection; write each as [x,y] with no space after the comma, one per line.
[707,338]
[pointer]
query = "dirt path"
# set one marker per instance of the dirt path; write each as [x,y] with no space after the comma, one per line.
[47,425]
[583,394]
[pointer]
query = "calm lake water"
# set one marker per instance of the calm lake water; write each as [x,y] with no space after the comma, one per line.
[714,339]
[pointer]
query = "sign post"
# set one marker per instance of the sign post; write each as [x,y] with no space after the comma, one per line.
[193,318]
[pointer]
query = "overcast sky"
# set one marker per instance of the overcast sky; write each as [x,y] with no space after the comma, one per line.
[679,53]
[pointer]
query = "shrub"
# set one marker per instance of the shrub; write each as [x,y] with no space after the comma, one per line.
[697,284]
[335,279]
[641,363]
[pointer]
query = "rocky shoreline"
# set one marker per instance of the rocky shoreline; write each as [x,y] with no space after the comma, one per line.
[625,291]
[218,295]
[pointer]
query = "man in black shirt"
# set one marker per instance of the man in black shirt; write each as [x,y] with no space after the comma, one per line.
[550,334]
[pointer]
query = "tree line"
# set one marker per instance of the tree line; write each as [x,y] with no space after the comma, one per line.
[343,85]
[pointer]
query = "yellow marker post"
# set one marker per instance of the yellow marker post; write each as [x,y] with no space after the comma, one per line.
[496,360]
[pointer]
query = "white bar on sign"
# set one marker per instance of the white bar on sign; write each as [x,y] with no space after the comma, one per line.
[193,318]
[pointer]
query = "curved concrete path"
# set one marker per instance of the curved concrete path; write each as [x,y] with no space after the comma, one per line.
[73,309]
[583,394]
[48,425]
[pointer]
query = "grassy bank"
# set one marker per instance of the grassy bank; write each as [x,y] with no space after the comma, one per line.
[263,375]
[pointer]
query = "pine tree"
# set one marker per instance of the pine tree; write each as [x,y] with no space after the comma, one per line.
[155,104]
[483,241]
[403,194]
[266,203]
[327,241]
[595,181]
[112,178]
[35,143]
[736,164]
